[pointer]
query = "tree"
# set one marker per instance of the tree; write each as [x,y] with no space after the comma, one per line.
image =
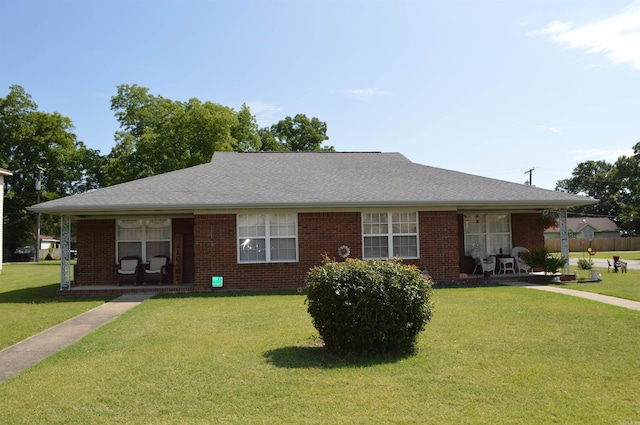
[596,179]
[246,133]
[628,173]
[296,134]
[160,135]
[615,185]
[31,138]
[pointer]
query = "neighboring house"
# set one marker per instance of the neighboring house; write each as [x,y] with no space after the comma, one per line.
[586,228]
[262,220]
[3,173]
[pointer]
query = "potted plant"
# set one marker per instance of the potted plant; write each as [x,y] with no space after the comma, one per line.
[547,220]
[542,259]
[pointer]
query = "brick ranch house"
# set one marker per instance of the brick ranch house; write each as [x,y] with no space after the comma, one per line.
[262,220]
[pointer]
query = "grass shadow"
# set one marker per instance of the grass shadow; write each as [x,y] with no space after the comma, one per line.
[316,356]
[40,295]
[227,294]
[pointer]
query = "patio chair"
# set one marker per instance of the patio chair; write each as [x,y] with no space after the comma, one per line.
[157,269]
[486,263]
[128,269]
[518,253]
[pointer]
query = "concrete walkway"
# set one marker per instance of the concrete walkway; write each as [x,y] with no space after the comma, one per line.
[633,305]
[24,354]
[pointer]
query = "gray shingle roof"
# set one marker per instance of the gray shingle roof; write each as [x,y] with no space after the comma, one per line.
[599,224]
[310,179]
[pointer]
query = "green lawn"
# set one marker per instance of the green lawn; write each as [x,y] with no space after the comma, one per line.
[625,255]
[622,285]
[490,355]
[28,304]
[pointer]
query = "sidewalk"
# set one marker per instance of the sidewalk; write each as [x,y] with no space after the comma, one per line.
[24,354]
[620,302]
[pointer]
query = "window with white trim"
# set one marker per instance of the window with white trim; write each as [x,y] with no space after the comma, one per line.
[143,238]
[488,232]
[388,235]
[267,238]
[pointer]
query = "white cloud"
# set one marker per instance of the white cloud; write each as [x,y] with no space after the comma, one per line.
[551,129]
[608,155]
[264,112]
[367,93]
[617,37]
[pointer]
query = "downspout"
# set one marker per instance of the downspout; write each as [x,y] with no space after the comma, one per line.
[564,239]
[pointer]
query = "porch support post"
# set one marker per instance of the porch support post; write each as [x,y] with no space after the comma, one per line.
[564,238]
[65,252]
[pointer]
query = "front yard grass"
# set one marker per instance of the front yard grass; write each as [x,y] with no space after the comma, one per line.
[28,302]
[490,355]
[621,285]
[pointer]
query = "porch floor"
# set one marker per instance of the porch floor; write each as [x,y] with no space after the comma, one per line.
[117,290]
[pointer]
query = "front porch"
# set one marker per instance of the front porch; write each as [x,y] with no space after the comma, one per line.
[117,290]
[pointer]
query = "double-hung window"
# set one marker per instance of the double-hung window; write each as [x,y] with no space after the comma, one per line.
[267,238]
[387,235]
[143,238]
[490,233]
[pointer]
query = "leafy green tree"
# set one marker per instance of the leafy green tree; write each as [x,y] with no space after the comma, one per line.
[296,134]
[615,185]
[31,139]
[598,180]
[246,133]
[628,173]
[159,135]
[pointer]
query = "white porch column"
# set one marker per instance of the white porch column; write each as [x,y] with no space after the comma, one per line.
[564,238]
[65,252]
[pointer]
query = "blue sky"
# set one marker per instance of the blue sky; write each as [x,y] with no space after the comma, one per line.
[492,88]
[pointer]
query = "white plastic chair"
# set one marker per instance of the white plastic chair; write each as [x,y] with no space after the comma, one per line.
[521,265]
[157,269]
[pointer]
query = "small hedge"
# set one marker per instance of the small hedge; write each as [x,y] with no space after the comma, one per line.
[369,307]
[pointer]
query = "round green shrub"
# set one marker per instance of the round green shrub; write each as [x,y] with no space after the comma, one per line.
[368,307]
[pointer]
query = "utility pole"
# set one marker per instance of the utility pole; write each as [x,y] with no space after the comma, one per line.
[530,172]
[39,190]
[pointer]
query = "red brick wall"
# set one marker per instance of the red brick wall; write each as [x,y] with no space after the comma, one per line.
[525,231]
[96,243]
[210,248]
[439,244]
[318,234]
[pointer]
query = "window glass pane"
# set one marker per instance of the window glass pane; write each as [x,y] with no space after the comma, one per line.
[129,230]
[283,249]
[252,250]
[158,229]
[126,249]
[499,241]
[282,225]
[375,223]
[158,248]
[498,223]
[376,247]
[404,223]
[405,246]
[251,226]
[475,223]
[475,241]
